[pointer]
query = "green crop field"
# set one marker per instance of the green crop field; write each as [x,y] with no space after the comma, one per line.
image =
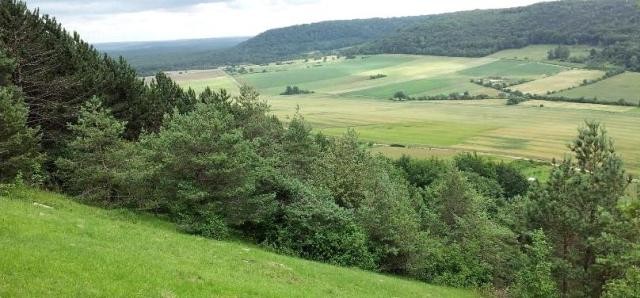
[64,249]
[353,75]
[624,86]
[514,69]
[561,81]
[539,52]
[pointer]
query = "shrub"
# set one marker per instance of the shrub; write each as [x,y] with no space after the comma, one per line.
[318,229]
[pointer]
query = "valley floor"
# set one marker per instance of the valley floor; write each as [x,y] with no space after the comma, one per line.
[347,96]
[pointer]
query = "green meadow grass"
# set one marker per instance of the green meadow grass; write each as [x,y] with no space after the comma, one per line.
[624,86]
[72,250]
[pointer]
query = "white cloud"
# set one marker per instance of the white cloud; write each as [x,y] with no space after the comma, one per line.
[239,17]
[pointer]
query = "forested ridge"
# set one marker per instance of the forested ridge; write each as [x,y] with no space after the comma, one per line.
[154,56]
[224,167]
[611,24]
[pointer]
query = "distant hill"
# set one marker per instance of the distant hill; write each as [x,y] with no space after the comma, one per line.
[612,25]
[153,56]
[318,37]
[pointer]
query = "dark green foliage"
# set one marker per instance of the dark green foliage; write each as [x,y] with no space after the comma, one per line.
[318,229]
[58,72]
[628,286]
[295,90]
[516,100]
[19,144]
[91,164]
[611,23]
[400,95]
[559,53]
[290,42]
[534,279]
[204,165]
[472,250]
[6,68]
[578,209]
[377,76]
[422,172]
[511,181]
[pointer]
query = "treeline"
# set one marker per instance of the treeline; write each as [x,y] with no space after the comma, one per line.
[225,167]
[401,96]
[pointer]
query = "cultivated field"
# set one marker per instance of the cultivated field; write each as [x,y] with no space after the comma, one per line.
[487,126]
[198,80]
[416,74]
[624,86]
[539,52]
[346,97]
[561,81]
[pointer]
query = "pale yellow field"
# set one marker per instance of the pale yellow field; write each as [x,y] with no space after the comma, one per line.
[562,81]
[198,80]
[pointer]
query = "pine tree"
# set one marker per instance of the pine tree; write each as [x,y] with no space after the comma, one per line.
[578,211]
[19,144]
[90,166]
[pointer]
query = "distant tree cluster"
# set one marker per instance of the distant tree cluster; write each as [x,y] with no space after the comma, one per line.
[499,83]
[559,53]
[377,76]
[294,91]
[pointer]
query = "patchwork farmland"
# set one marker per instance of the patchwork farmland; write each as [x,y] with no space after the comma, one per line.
[345,96]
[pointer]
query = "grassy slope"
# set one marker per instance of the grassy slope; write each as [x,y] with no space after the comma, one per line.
[79,251]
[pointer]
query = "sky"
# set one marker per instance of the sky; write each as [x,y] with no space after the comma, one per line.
[146,20]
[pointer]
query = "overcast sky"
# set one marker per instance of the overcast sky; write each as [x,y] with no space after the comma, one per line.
[137,20]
